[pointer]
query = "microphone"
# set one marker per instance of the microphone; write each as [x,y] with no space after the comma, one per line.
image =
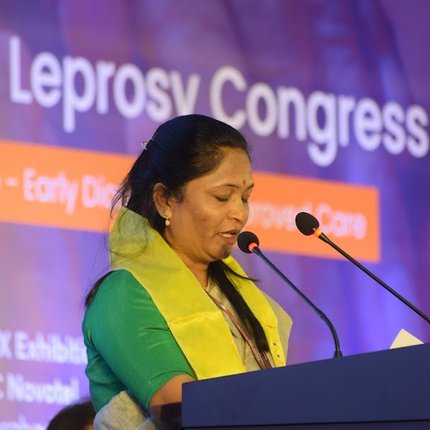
[248,242]
[309,225]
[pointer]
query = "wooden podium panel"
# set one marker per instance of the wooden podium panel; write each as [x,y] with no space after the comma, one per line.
[385,390]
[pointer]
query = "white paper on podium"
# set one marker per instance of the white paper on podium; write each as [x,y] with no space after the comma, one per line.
[404,338]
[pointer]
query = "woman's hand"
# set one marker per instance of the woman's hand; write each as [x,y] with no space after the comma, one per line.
[165,405]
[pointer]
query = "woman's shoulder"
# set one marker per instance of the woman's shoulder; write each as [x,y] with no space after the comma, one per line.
[120,279]
[119,295]
[115,288]
[119,275]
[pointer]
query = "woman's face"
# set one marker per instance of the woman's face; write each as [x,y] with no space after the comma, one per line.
[213,210]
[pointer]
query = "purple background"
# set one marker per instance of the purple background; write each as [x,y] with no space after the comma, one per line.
[376,49]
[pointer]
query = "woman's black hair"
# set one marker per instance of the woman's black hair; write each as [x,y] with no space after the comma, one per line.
[182,149]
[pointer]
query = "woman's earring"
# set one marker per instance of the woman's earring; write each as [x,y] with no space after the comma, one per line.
[167,222]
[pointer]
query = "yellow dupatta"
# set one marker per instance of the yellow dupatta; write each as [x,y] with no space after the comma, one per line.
[196,322]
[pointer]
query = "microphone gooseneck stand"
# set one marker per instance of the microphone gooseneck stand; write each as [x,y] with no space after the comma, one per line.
[308,225]
[337,353]
[248,243]
[327,240]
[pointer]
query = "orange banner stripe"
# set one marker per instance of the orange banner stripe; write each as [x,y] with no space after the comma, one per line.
[70,188]
[348,214]
[58,187]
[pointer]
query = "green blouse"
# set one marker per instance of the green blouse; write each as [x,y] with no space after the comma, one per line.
[119,325]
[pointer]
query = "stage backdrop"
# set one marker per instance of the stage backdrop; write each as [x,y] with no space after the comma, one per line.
[334,97]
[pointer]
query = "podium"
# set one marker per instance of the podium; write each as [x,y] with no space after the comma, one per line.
[384,390]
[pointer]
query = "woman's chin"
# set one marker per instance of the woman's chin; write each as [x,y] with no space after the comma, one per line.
[225,252]
[221,253]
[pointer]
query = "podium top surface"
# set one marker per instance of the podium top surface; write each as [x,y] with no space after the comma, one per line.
[391,386]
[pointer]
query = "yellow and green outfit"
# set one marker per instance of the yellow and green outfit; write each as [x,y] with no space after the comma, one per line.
[151,320]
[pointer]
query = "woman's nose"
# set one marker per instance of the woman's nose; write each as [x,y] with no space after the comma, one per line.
[240,211]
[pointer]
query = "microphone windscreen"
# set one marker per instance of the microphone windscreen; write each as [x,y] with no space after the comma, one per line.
[306,223]
[245,239]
